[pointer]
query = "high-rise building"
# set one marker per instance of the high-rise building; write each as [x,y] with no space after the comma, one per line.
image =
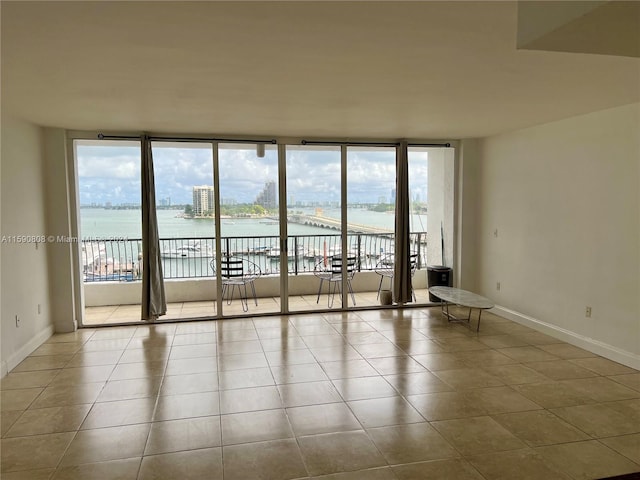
[203,200]
[268,198]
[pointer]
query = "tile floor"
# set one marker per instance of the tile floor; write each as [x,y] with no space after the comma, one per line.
[375,395]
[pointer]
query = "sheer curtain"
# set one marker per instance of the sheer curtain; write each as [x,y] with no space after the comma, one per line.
[153,299]
[402,267]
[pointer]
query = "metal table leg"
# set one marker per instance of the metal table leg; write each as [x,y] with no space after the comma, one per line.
[444,306]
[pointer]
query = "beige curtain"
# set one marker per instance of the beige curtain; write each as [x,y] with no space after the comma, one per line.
[402,267]
[153,299]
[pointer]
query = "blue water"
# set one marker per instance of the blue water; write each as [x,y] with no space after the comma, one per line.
[103,223]
[241,236]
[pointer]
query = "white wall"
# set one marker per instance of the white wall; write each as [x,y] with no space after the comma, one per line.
[59,225]
[564,198]
[440,205]
[25,283]
[468,215]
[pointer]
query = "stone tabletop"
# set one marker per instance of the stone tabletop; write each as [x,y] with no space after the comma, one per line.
[461,297]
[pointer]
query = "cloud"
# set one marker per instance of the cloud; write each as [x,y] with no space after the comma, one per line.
[110,172]
[177,170]
[113,164]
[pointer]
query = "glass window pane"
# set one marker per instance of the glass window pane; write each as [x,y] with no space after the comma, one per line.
[183,174]
[431,181]
[110,226]
[249,224]
[371,197]
[314,226]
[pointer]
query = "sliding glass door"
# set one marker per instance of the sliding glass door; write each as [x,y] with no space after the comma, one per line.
[431,201]
[224,246]
[185,211]
[371,199]
[314,224]
[251,259]
[110,230]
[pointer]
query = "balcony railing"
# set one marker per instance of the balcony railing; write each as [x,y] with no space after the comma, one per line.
[120,260]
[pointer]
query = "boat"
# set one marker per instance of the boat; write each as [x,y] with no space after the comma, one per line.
[104,268]
[94,256]
[189,250]
[313,253]
[274,253]
[109,277]
[260,250]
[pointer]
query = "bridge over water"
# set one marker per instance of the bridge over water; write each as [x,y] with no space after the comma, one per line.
[334,224]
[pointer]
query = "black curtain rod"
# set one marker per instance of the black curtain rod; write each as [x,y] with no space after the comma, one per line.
[273,141]
[429,145]
[186,139]
[375,144]
[372,144]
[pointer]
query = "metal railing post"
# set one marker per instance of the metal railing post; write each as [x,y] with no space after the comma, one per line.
[295,254]
[359,241]
[96,256]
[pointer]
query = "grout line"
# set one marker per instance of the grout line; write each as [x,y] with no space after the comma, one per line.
[376,324]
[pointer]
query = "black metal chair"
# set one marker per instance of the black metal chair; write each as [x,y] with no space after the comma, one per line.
[238,272]
[331,272]
[385,268]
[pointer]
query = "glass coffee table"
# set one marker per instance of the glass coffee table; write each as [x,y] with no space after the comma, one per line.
[455,296]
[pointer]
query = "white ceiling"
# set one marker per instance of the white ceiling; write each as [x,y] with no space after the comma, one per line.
[434,70]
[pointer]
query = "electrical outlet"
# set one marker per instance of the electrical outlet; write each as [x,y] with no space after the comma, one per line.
[588,312]
[498,286]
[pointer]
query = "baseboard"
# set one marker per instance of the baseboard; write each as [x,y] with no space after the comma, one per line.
[595,346]
[26,350]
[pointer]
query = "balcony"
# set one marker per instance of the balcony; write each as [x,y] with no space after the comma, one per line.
[112,273]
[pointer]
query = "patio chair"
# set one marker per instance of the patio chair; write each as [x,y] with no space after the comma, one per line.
[238,272]
[332,273]
[385,268]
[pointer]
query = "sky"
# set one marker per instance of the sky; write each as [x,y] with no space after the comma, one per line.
[109,171]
